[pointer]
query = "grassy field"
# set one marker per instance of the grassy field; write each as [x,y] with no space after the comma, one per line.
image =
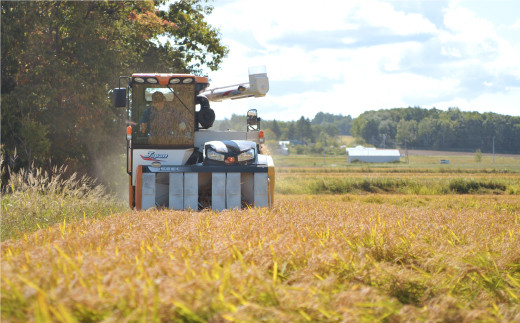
[423,175]
[363,243]
[416,160]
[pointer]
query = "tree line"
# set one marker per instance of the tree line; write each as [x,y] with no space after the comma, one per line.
[412,127]
[303,130]
[434,129]
[61,58]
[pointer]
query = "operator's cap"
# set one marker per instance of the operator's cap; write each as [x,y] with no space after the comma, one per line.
[158,97]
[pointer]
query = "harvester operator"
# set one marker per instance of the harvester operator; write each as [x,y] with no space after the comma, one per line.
[159,121]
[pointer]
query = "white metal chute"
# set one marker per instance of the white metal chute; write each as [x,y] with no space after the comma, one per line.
[218,191]
[261,189]
[191,191]
[176,191]
[148,191]
[233,198]
[258,86]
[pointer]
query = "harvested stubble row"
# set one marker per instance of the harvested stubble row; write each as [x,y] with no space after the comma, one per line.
[310,258]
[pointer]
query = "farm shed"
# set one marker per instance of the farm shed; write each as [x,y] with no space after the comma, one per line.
[283,148]
[372,155]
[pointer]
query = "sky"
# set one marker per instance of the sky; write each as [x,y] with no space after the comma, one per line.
[347,56]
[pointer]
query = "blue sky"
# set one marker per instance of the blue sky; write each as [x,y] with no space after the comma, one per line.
[349,56]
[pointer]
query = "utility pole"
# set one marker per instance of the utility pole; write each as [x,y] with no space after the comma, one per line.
[324,144]
[406,149]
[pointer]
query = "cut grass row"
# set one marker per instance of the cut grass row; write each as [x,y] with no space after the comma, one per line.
[317,258]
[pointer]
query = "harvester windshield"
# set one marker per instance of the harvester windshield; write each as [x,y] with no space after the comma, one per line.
[163,115]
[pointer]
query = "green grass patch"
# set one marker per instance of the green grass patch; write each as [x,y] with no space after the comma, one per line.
[467,186]
[381,183]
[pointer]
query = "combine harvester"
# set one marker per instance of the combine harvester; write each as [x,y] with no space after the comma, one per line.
[173,160]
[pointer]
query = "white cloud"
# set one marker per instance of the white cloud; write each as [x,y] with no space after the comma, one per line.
[381,14]
[515,25]
[350,56]
[466,24]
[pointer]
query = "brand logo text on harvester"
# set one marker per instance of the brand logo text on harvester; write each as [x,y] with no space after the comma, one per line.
[152,156]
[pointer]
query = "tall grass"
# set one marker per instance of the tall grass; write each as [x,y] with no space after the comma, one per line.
[36,199]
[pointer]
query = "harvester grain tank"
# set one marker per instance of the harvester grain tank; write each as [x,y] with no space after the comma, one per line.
[175,161]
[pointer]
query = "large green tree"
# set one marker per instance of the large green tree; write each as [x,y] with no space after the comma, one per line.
[303,130]
[61,58]
[434,129]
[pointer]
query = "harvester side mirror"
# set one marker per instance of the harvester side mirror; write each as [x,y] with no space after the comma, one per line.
[253,121]
[252,115]
[120,98]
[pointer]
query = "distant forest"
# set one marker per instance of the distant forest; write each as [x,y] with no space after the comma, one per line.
[439,130]
[412,127]
[302,130]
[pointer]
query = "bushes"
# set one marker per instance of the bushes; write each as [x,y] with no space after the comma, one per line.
[466,186]
[337,185]
[421,185]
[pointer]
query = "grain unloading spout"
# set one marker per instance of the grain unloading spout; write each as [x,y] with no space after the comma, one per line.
[258,86]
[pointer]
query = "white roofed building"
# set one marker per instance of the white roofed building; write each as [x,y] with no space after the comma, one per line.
[372,155]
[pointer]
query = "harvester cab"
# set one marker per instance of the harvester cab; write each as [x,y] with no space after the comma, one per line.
[175,161]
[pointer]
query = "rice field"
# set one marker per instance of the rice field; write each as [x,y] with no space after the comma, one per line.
[339,245]
[310,258]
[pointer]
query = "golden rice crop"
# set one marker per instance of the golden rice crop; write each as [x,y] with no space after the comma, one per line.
[310,258]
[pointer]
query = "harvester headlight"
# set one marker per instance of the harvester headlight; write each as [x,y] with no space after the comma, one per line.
[139,79]
[174,80]
[211,154]
[151,80]
[187,81]
[246,155]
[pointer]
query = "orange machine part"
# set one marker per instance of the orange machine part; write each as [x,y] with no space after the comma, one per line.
[270,174]
[201,79]
[139,188]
